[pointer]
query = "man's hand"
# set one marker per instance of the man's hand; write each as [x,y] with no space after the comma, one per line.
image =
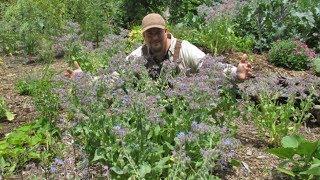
[72,73]
[244,69]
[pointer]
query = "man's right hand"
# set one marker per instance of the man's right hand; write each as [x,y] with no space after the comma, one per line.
[72,73]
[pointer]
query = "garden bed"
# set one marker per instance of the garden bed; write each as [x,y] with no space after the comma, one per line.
[255,162]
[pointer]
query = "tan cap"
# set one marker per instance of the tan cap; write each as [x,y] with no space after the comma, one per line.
[153,20]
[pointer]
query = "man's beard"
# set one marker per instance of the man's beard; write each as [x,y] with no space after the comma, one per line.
[156,48]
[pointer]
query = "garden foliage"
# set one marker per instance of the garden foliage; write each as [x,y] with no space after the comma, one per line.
[26,25]
[216,37]
[271,20]
[139,127]
[33,142]
[5,113]
[291,54]
[275,120]
[300,157]
[316,66]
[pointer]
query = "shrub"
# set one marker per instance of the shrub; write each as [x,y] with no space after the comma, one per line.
[217,36]
[96,18]
[91,59]
[291,54]
[270,20]
[25,21]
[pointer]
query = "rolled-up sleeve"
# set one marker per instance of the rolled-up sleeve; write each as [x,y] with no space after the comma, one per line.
[191,55]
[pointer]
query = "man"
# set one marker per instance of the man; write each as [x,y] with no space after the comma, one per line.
[160,45]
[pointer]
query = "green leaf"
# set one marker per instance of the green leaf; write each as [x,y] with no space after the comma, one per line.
[162,163]
[235,162]
[25,128]
[98,156]
[117,170]
[282,152]
[144,169]
[34,140]
[3,145]
[157,130]
[34,155]
[286,171]
[289,142]
[9,115]
[312,171]
[169,145]
[307,148]
[3,163]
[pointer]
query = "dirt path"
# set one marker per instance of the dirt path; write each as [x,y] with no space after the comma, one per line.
[11,70]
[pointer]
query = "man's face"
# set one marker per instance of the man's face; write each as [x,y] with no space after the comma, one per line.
[155,38]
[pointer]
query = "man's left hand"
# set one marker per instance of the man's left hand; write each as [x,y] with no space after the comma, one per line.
[244,69]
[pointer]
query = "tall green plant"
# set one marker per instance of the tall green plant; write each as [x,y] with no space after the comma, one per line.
[217,36]
[96,18]
[276,121]
[25,21]
[269,20]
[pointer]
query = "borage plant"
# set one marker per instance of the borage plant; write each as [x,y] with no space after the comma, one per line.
[143,128]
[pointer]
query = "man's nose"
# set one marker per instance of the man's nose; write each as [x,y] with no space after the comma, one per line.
[155,37]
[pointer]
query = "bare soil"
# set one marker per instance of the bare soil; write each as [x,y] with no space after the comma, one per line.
[11,70]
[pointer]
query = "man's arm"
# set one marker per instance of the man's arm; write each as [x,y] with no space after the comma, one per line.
[193,59]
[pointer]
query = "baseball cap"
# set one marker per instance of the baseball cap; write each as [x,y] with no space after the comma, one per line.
[153,20]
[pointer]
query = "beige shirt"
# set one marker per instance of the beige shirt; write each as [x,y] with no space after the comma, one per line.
[190,56]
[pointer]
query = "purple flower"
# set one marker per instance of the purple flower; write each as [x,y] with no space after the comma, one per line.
[208,153]
[53,168]
[181,138]
[201,128]
[154,116]
[181,155]
[119,131]
[58,161]
[106,171]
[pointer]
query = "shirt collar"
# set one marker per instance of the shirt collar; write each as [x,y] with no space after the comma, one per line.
[173,41]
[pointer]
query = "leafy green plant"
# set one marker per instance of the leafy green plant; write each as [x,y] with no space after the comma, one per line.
[271,20]
[316,65]
[300,158]
[25,21]
[217,36]
[32,142]
[45,100]
[4,110]
[291,54]
[95,17]
[185,11]
[92,60]
[25,86]
[133,16]
[137,127]
[278,120]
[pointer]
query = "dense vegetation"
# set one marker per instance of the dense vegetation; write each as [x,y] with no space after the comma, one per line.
[176,126]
